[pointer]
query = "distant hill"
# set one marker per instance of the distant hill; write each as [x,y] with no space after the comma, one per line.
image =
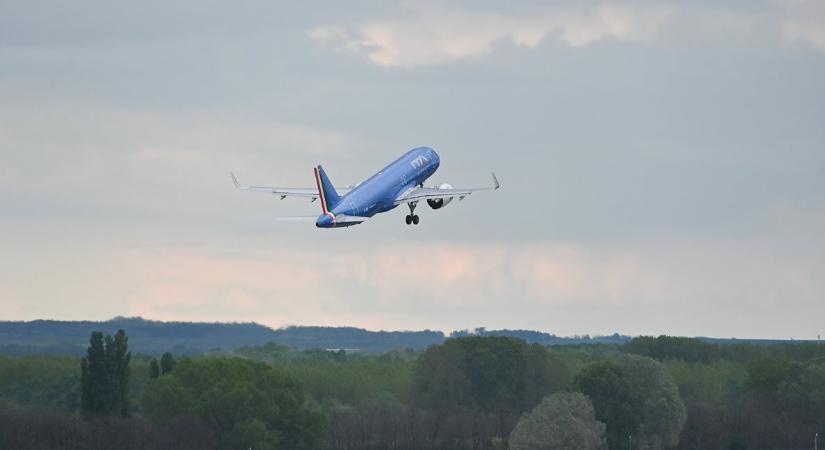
[52,337]
[150,337]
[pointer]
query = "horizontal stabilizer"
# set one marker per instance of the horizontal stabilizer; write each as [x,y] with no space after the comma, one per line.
[283,192]
[345,219]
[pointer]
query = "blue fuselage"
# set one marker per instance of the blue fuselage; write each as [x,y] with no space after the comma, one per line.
[379,192]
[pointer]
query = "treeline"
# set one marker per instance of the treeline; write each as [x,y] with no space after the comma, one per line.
[46,428]
[152,338]
[538,337]
[472,392]
[742,396]
[696,350]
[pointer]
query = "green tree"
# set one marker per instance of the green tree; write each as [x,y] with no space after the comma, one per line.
[713,383]
[93,375]
[607,387]
[167,363]
[105,375]
[118,356]
[669,347]
[635,396]
[562,421]
[254,433]
[488,373]
[40,380]
[765,375]
[166,398]
[661,411]
[154,369]
[495,377]
[246,403]
[813,380]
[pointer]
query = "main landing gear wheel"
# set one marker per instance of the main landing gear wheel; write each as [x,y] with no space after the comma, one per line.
[411,217]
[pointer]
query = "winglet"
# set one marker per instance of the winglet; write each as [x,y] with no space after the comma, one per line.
[496,184]
[235,180]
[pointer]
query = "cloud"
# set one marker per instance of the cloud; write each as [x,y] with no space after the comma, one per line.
[80,133]
[435,35]
[804,21]
[173,283]
[79,161]
[688,285]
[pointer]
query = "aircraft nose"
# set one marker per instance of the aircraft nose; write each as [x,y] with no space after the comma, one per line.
[324,221]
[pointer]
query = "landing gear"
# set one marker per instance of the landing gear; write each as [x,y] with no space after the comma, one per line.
[412,218]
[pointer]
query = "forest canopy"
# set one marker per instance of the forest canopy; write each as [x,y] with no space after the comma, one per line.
[468,392]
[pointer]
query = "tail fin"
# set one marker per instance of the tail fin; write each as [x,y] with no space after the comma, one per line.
[329,197]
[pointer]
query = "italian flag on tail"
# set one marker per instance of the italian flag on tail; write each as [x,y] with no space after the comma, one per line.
[329,197]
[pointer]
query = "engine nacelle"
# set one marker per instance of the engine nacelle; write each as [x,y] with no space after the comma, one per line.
[438,203]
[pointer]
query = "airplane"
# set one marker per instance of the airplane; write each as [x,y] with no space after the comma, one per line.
[402,181]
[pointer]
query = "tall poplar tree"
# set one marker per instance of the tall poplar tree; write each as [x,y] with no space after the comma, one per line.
[104,377]
[167,363]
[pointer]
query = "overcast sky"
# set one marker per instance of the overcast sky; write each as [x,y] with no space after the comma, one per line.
[662,164]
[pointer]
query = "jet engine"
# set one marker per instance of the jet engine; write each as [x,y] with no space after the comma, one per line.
[438,203]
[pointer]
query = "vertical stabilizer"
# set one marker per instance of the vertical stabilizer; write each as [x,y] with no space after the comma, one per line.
[329,197]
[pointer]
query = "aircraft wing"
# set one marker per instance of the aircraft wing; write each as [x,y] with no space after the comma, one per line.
[311,193]
[422,193]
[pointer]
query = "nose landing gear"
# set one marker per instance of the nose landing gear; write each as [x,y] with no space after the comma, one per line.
[412,218]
